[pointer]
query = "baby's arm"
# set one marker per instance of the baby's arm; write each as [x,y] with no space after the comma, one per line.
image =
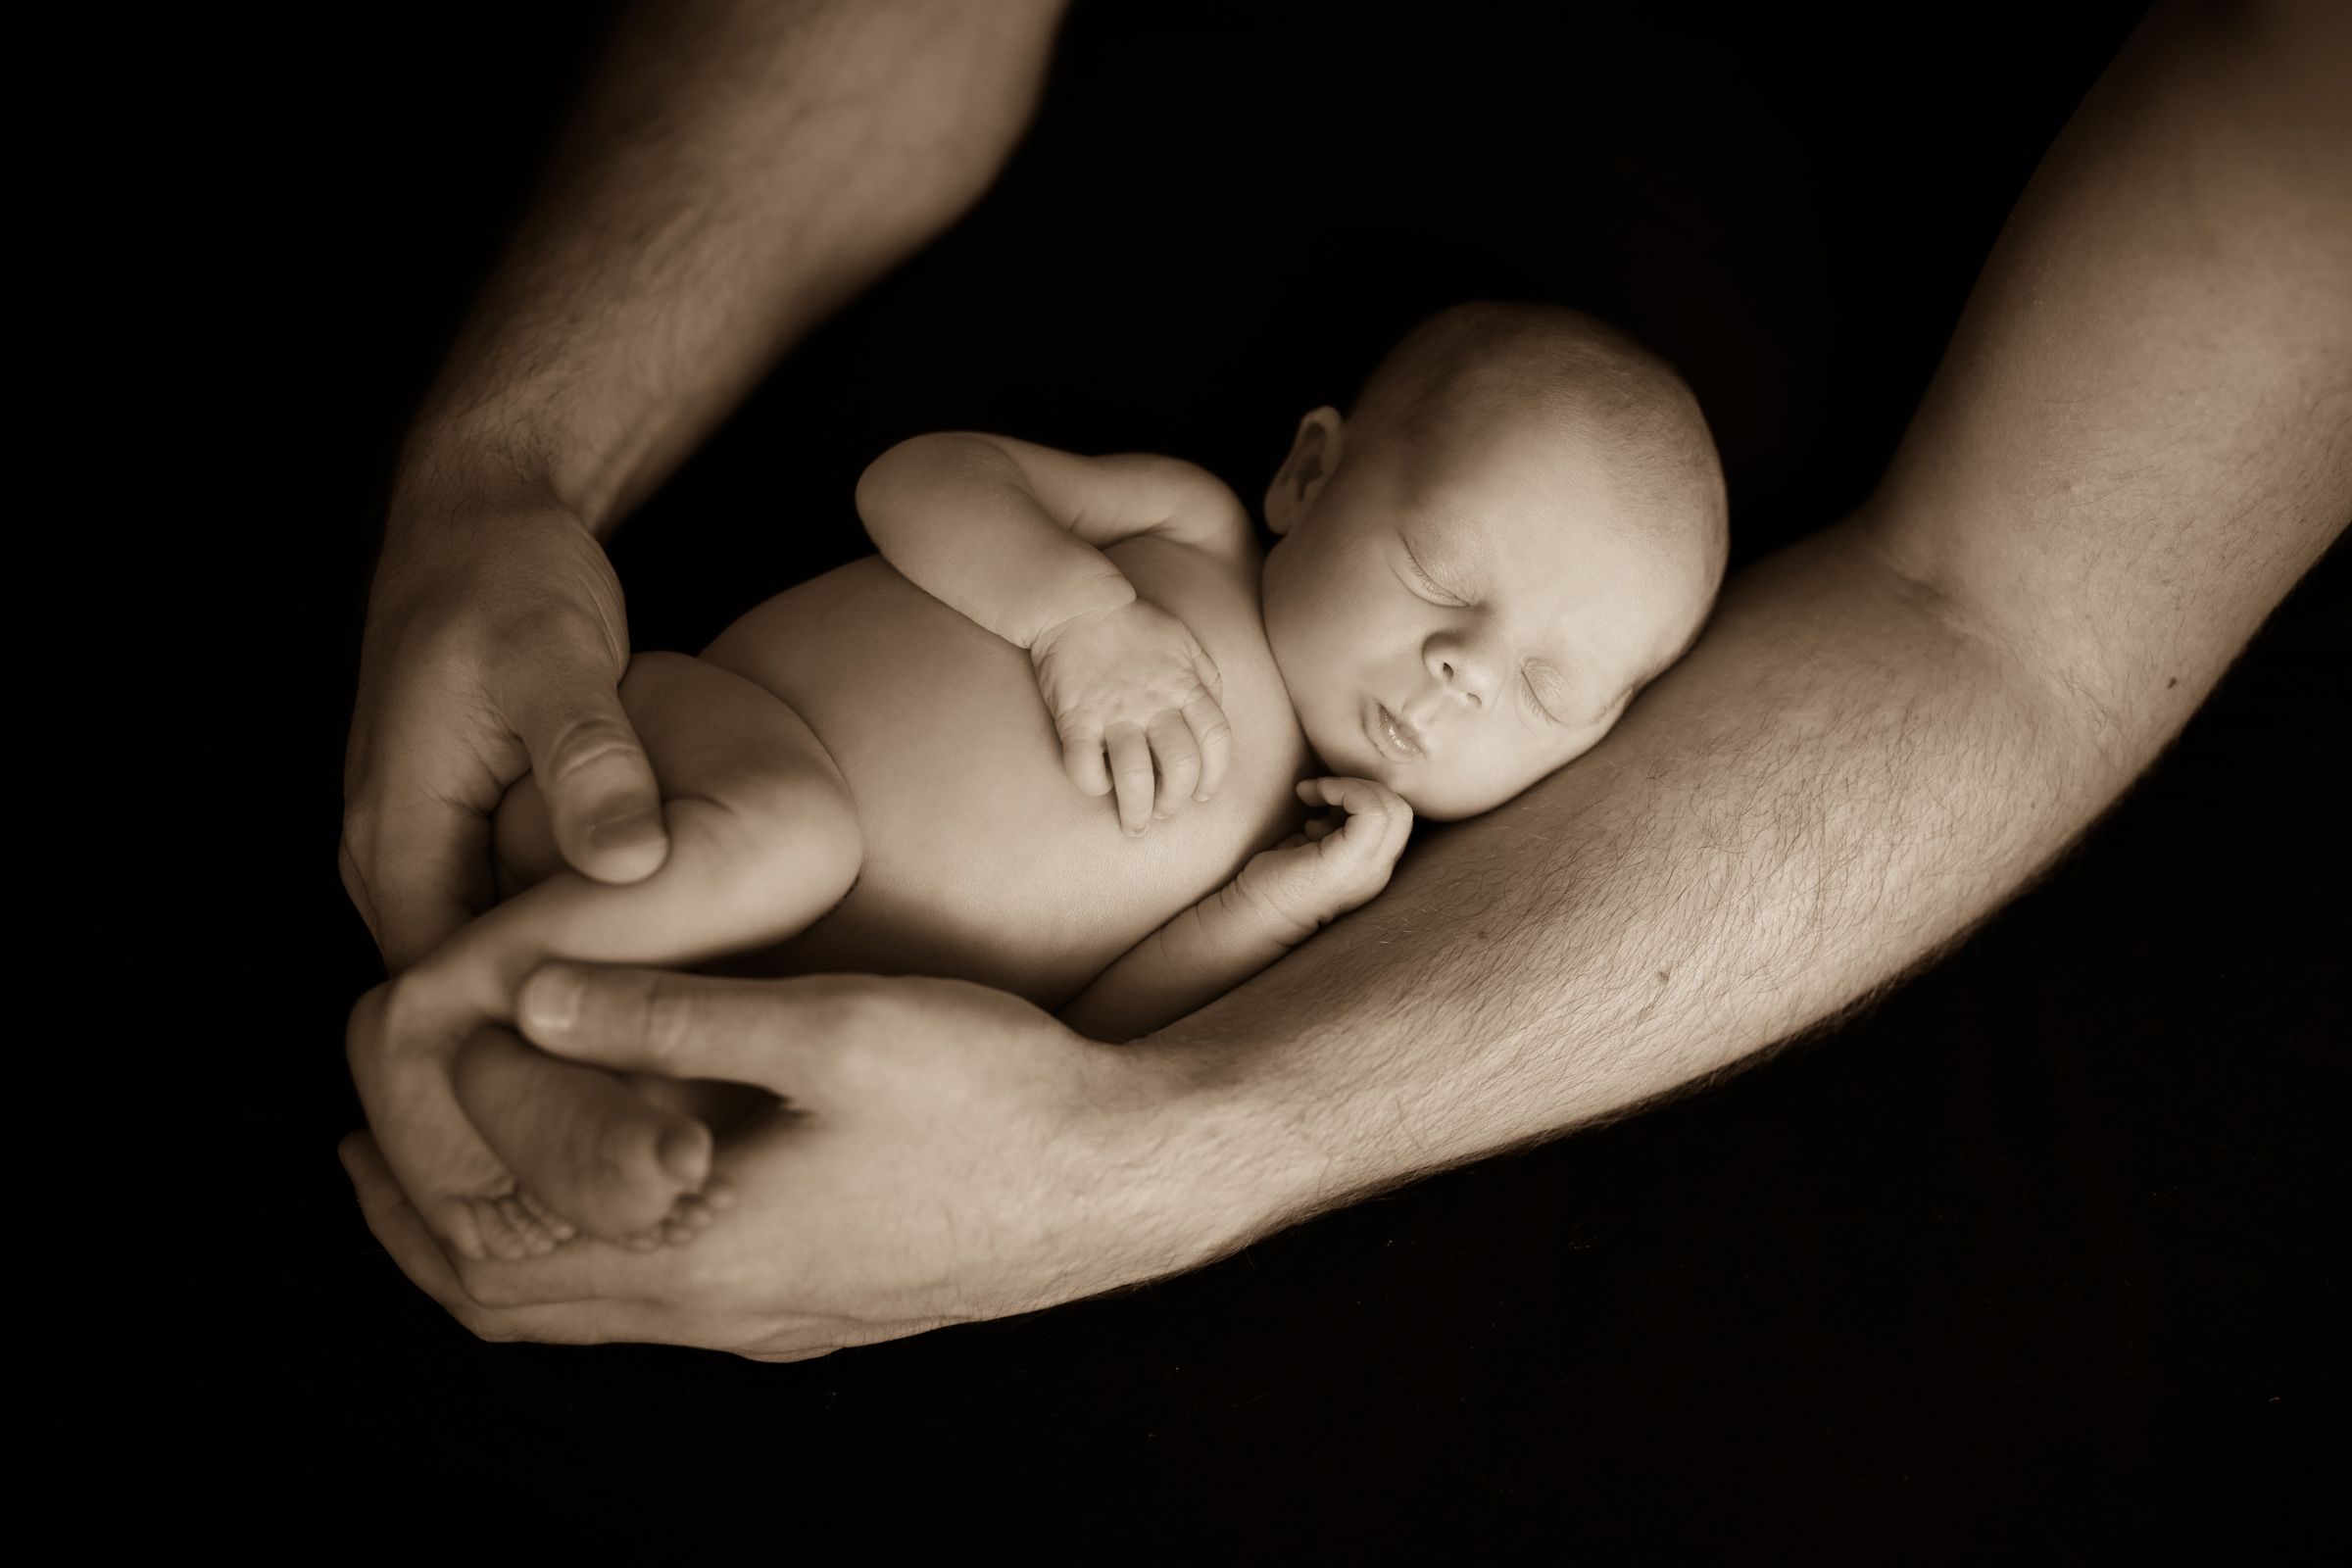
[1281,898]
[1010,534]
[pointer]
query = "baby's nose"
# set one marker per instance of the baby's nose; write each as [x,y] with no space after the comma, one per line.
[1458,682]
[1463,671]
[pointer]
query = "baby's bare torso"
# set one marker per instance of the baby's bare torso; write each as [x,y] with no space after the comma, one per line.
[983,861]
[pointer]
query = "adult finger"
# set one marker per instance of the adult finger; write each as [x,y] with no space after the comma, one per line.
[1179,762]
[603,803]
[1082,759]
[555,1307]
[1214,735]
[416,872]
[774,1033]
[1131,775]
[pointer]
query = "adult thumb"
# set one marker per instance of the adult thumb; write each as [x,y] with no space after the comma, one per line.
[604,803]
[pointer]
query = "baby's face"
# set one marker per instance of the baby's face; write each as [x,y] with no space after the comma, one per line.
[1459,631]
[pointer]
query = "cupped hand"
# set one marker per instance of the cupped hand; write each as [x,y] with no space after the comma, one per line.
[495,643]
[942,1153]
[1336,862]
[1132,686]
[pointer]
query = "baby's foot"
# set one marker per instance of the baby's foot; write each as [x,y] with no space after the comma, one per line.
[584,1147]
[692,1216]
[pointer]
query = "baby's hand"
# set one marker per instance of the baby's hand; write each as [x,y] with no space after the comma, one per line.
[1313,877]
[1132,683]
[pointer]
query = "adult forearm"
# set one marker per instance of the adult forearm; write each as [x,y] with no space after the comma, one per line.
[1832,785]
[734,172]
[2132,450]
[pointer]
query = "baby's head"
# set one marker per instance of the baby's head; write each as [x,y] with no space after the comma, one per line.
[1521,522]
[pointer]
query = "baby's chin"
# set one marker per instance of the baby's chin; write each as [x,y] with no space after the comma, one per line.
[1442,799]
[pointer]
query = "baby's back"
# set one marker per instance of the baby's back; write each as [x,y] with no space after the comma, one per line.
[983,861]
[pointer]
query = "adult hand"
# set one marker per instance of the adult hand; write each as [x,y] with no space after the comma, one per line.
[945,1153]
[494,645]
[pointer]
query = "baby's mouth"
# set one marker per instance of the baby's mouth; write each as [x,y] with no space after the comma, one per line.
[1390,737]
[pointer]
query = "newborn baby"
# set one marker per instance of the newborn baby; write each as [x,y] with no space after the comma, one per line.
[1519,525]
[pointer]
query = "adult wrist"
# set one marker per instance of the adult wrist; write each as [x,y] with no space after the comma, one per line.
[450,476]
[1220,1163]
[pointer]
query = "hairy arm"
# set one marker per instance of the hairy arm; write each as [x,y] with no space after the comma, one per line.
[735,171]
[2134,448]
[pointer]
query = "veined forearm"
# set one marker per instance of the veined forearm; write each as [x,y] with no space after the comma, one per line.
[1828,788]
[734,172]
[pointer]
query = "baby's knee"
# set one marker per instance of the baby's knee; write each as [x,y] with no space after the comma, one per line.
[809,826]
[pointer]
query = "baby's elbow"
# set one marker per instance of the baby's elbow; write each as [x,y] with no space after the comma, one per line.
[912,466]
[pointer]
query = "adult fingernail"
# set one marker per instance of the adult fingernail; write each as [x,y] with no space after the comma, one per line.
[551,1002]
[631,831]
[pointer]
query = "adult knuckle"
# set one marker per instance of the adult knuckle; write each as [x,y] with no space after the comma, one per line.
[648,1008]
[584,743]
[487,1288]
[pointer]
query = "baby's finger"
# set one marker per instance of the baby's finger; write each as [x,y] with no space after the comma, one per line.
[1206,668]
[1082,759]
[1214,734]
[1375,812]
[1179,762]
[1130,775]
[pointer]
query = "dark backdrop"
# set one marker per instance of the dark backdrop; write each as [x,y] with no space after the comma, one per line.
[2042,1252]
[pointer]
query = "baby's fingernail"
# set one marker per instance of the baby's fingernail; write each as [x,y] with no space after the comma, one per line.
[1136,832]
[550,1000]
[1200,798]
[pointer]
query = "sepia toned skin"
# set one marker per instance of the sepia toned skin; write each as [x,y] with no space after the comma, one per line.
[2132,451]
[859,774]
[1497,604]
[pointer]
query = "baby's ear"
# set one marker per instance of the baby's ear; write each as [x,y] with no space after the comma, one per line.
[1314,454]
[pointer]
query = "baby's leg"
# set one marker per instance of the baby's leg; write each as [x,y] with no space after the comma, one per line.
[762,841]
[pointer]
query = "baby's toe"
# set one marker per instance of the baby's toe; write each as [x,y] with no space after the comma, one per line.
[499,1237]
[536,1241]
[557,1228]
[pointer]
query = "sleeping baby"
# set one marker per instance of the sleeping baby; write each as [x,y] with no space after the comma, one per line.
[1519,524]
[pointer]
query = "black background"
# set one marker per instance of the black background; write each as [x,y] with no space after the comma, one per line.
[2045,1252]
